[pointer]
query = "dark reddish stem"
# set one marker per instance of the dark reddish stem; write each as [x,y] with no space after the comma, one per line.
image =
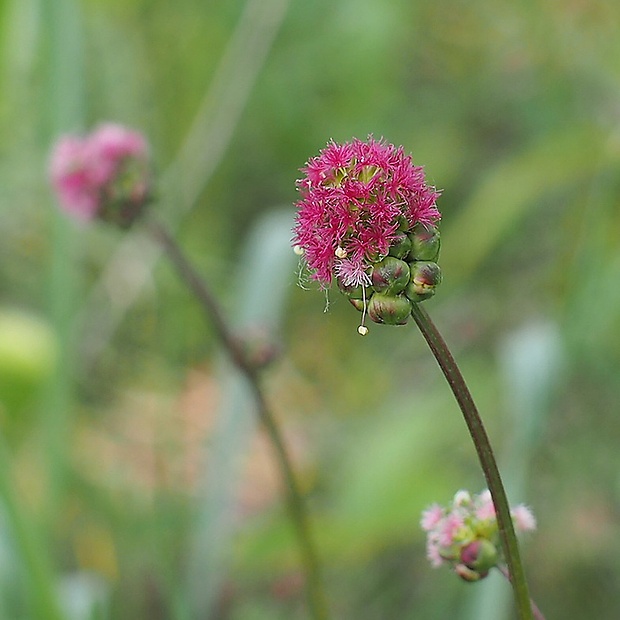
[482,443]
[538,615]
[198,285]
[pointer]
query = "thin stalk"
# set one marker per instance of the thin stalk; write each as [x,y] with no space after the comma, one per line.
[538,615]
[295,504]
[481,441]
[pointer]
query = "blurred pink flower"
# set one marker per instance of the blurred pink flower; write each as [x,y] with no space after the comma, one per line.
[449,528]
[71,179]
[523,518]
[354,198]
[108,146]
[103,174]
[431,517]
[485,508]
[433,553]
[465,533]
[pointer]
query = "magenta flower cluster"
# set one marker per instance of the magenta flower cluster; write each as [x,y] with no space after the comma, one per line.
[465,534]
[102,171]
[355,197]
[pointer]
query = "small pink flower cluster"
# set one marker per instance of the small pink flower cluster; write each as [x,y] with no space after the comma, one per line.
[104,174]
[356,200]
[465,535]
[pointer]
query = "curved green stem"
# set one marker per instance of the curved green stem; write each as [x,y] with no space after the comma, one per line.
[485,453]
[295,504]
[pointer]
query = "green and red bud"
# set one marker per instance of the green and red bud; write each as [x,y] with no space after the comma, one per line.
[358,304]
[468,574]
[401,246]
[390,276]
[425,277]
[480,555]
[352,292]
[425,242]
[389,309]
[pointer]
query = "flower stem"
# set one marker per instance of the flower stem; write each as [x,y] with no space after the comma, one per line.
[294,500]
[538,615]
[485,454]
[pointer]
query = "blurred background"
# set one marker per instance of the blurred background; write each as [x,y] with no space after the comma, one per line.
[134,481]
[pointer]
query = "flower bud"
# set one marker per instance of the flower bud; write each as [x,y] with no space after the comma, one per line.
[401,246]
[352,292]
[390,276]
[258,347]
[425,242]
[358,304]
[480,554]
[469,575]
[388,309]
[403,224]
[425,276]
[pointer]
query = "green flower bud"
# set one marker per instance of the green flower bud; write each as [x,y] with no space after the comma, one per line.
[425,242]
[480,555]
[401,246]
[352,292]
[358,304]
[403,224]
[425,276]
[390,276]
[388,309]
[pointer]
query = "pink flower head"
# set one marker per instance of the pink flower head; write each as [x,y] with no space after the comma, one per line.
[467,531]
[354,198]
[103,174]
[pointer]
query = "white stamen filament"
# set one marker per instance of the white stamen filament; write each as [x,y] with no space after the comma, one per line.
[362,330]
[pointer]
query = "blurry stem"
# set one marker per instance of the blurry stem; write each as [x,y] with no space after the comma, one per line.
[485,453]
[538,615]
[32,551]
[294,500]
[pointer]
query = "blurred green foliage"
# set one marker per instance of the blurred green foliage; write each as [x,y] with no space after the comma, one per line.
[513,108]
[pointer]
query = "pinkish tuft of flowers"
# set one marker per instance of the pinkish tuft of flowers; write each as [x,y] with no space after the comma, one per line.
[465,534]
[104,174]
[357,200]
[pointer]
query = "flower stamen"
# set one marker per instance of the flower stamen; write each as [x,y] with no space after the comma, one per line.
[362,330]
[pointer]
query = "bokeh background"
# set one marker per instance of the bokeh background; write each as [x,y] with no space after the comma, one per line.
[134,482]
